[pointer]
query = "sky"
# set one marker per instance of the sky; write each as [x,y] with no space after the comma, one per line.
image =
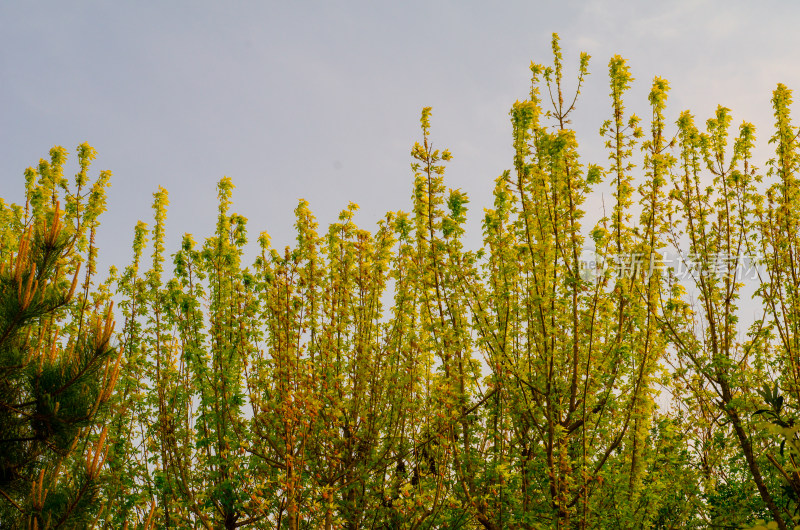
[321,100]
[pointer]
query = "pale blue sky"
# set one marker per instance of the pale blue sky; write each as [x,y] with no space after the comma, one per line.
[322,100]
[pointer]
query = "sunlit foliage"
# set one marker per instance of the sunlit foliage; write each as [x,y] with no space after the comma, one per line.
[565,374]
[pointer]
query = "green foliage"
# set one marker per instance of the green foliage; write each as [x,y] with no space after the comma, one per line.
[393,378]
[58,367]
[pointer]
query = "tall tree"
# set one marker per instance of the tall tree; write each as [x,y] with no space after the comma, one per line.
[57,366]
[714,364]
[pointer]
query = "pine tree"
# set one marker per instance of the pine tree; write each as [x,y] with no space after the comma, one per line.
[57,366]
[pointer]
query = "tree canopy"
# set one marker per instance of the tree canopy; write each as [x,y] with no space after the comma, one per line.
[394,377]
